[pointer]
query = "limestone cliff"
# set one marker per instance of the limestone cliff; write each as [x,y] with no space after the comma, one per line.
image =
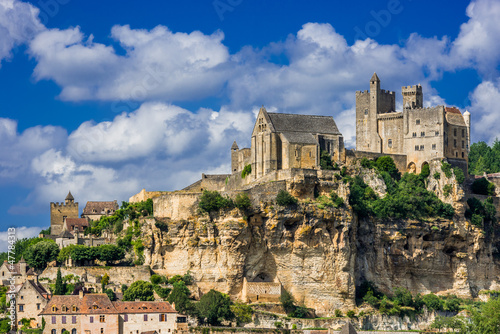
[321,255]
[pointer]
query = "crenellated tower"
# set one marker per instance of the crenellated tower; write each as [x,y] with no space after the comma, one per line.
[413,97]
[60,211]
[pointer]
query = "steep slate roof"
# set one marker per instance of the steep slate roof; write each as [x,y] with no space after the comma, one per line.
[303,123]
[144,307]
[81,223]
[299,138]
[375,77]
[66,234]
[99,207]
[39,288]
[70,197]
[348,329]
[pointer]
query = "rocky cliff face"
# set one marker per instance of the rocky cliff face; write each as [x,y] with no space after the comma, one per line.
[321,255]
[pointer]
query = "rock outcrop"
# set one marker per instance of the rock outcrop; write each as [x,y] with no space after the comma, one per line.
[321,255]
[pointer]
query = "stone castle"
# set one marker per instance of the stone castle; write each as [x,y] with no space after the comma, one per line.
[287,146]
[422,134]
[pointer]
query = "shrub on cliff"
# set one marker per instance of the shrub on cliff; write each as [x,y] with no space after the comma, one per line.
[284,198]
[242,312]
[446,168]
[459,175]
[325,161]
[483,187]
[386,164]
[426,171]
[212,201]
[242,201]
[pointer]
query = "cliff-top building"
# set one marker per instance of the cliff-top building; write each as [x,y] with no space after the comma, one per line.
[422,134]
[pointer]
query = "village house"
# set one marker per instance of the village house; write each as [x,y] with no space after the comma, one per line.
[96,314]
[95,210]
[31,299]
[20,271]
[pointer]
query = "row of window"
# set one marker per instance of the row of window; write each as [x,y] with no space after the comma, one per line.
[455,132]
[422,134]
[161,317]
[73,331]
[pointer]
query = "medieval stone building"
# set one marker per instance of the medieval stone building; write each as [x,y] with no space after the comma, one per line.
[422,134]
[60,211]
[287,141]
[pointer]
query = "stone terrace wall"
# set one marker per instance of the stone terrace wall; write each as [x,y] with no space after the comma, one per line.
[399,159]
[176,205]
[122,275]
[144,195]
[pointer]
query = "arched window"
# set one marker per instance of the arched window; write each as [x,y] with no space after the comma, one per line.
[53,331]
[73,331]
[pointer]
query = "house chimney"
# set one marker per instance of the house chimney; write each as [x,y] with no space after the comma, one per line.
[80,293]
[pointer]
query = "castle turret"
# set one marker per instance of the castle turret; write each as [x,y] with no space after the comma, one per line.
[467,122]
[60,211]
[69,198]
[234,157]
[374,143]
[22,266]
[412,97]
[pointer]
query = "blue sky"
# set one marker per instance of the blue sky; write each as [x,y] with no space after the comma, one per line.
[107,98]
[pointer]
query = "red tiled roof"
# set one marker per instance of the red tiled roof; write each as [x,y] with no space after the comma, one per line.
[81,223]
[144,307]
[94,208]
[96,303]
[453,110]
[86,305]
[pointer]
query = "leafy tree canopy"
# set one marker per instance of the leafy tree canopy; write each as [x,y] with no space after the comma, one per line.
[215,307]
[141,290]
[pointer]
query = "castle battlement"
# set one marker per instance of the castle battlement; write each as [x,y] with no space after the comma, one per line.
[361,92]
[387,92]
[412,87]
[62,204]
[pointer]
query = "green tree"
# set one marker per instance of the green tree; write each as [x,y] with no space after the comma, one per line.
[433,302]
[483,187]
[426,171]
[386,164]
[39,254]
[325,160]
[180,296]
[215,307]
[60,288]
[212,201]
[111,294]
[284,198]
[141,290]
[459,175]
[155,279]
[242,201]
[110,253]
[104,281]
[242,312]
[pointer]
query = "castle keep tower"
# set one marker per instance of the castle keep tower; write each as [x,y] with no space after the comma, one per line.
[234,157]
[60,211]
[412,97]
[421,134]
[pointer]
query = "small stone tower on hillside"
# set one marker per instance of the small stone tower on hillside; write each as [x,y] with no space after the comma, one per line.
[60,211]
[234,157]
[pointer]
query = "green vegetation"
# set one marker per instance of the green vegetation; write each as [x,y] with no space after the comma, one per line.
[247,170]
[338,313]
[60,288]
[351,314]
[214,308]
[141,290]
[180,296]
[105,253]
[284,198]
[40,253]
[447,188]
[212,201]
[483,318]
[479,212]
[156,279]
[426,171]
[242,201]
[403,302]
[242,312]
[437,175]
[483,187]
[111,294]
[325,160]
[114,223]
[291,309]
[406,198]
[104,282]
[459,175]
[446,168]
[483,158]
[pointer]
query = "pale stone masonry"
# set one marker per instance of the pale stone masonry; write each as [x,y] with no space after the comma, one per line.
[31,299]
[422,134]
[96,314]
